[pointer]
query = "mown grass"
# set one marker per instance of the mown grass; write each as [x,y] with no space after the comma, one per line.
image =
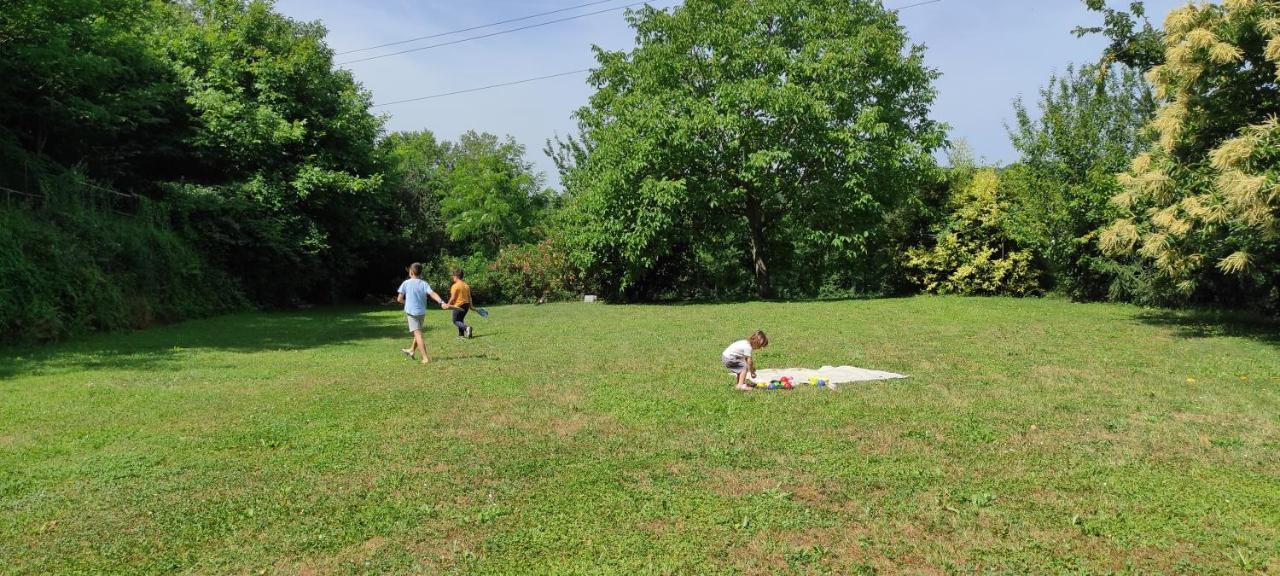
[1033,436]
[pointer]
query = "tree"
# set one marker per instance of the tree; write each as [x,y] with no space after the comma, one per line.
[1089,123]
[417,173]
[491,196]
[1138,47]
[768,137]
[281,180]
[84,86]
[1202,204]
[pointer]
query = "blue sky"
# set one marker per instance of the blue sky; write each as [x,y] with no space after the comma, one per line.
[989,52]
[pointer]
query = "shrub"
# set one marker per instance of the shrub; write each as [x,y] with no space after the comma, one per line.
[532,272]
[974,253]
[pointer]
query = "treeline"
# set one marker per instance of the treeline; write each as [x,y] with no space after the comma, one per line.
[1150,177]
[784,147]
[164,160]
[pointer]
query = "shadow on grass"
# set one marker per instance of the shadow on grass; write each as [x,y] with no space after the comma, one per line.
[165,347]
[754,300]
[1211,323]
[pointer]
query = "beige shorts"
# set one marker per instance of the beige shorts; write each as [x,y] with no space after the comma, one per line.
[415,322]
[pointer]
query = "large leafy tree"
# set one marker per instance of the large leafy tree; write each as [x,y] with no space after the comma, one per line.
[473,196]
[85,87]
[773,135]
[282,181]
[491,195]
[1087,126]
[1203,204]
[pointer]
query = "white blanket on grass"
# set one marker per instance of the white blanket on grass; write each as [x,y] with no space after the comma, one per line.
[835,374]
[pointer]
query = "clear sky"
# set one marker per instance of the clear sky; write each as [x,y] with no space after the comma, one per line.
[989,52]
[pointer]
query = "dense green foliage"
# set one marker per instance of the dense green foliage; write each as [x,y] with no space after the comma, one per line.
[974,253]
[69,269]
[749,146]
[1132,40]
[260,167]
[1087,125]
[1202,205]
[256,155]
[772,148]
[1032,437]
[493,198]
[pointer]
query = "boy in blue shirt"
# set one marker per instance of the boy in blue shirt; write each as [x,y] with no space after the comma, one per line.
[413,294]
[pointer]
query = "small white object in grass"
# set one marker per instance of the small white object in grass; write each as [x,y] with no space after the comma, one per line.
[589,298]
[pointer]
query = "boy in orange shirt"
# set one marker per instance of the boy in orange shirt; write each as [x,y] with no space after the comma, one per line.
[460,302]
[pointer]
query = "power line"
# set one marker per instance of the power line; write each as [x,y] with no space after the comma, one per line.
[491,34]
[512,83]
[549,76]
[927,2]
[460,30]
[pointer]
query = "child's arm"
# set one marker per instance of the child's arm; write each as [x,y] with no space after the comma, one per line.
[400,298]
[751,365]
[436,297]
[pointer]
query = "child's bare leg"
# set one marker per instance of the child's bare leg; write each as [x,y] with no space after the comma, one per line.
[742,381]
[419,344]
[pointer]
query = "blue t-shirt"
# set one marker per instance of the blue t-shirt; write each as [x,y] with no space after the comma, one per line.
[415,296]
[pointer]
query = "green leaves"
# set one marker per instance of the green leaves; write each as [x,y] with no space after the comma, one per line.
[1088,123]
[491,197]
[974,253]
[1200,204]
[709,151]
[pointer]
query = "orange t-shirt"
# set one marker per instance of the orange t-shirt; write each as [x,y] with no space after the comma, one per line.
[459,294]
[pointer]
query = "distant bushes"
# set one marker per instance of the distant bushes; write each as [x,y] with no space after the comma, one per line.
[521,273]
[532,272]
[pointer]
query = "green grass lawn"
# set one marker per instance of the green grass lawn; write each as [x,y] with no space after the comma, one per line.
[1033,436]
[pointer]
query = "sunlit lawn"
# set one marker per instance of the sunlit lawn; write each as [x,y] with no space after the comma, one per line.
[1032,436]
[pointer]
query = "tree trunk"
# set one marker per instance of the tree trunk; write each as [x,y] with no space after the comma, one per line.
[755,221]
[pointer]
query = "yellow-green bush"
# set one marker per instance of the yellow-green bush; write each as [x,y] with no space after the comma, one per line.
[974,253]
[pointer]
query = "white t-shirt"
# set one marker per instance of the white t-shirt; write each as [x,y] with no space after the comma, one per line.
[740,349]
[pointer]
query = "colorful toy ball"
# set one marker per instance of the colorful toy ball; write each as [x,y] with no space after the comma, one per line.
[787,385]
[813,380]
[822,382]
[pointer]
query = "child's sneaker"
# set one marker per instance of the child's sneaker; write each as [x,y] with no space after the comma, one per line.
[468,332]
[408,354]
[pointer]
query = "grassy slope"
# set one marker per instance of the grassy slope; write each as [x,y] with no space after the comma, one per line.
[1032,436]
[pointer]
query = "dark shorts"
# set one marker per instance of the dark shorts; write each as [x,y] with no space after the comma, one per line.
[734,364]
